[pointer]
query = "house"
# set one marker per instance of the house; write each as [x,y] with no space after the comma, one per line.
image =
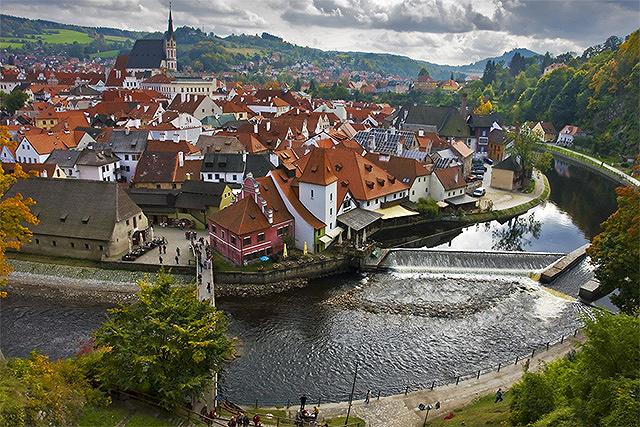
[176,126]
[568,134]
[98,164]
[481,126]
[448,183]
[252,227]
[448,122]
[44,170]
[65,160]
[199,106]
[165,170]
[555,66]
[499,145]
[409,171]
[544,131]
[233,168]
[464,154]
[424,84]
[8,152]
[219,144]
[508,174]
[36,147]
[128,144]
[391,142]
[81,219]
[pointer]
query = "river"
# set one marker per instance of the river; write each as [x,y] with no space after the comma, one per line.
[296,342]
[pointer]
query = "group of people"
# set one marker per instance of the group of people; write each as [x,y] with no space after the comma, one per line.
[242,420]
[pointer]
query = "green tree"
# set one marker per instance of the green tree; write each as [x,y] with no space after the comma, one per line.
[489,74]
[423,72]
[616,251]
[14,101]
[168,344]
[533,397]
[524,148]
[428,207]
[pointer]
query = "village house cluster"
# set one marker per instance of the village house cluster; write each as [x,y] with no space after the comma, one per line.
[116,153]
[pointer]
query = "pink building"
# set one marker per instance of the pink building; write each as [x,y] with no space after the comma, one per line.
[255,225]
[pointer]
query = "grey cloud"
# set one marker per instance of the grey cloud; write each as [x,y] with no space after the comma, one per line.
[427,16]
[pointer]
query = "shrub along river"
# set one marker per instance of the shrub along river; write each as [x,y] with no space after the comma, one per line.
[407,328]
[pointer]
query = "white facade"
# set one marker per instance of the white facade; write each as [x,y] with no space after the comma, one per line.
[227,177]
[438,192]
[321,201]
[25,153]
[6,156]
[184,86]
[128,164]
[108,172]
[420,188]
[8,87]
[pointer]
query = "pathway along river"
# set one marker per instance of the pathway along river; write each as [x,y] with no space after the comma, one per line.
[298,342]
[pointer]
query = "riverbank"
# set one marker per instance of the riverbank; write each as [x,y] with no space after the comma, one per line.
[402,410]
[592,163]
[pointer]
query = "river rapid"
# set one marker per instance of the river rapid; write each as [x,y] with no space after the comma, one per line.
[405,328]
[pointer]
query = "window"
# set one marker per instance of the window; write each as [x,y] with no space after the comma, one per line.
[217,176]
[37,241]
[235,177]
[284,230]
[246,241]
[209,176]
[261,237]
[86,246]
[53,243]
[330,196]
[330,211]
[312,193]
[73,245]
[127,222]
[101,247]
[232,239]
[213,229]
[126,157]
[158,186]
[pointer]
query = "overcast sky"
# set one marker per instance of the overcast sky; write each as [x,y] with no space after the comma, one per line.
[442,31]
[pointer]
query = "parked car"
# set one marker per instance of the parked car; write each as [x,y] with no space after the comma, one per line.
[481,169]
[488,161]
[128,257]
[478,176]
[479,192]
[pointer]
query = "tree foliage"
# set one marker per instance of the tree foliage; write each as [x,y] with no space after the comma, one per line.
[38,392]
[599,386]
[15,215]
[484,107]
[616,251]
[428,207]
[168,344]
[524,148]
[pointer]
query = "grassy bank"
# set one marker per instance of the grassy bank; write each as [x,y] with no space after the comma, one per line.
[482,412]
[583,159]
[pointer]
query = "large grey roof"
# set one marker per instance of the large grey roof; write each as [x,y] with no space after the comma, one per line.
[76,208]
[96,157]
[447,120]
[223,162]
[133,142]
[385,141]
[359,218]
[64,158]
[147,53]
[259,165]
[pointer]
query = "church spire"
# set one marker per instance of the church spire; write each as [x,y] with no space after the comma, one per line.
[170,27]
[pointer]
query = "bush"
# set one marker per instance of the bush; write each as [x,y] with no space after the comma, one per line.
[428,207]
[532,398]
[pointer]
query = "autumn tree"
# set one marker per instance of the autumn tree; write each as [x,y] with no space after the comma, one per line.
[167,344]
[616,251]
[484,107]
[15,216]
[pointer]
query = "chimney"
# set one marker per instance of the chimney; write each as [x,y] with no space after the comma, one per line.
[463,106]
[270,215]
[268,126]
[181,159]
[255,128]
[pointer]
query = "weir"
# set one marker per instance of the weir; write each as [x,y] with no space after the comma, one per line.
[446,261]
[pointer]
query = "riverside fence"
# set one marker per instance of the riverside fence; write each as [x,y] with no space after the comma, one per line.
[427,385]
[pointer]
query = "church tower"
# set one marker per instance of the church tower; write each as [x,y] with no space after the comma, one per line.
[170,46]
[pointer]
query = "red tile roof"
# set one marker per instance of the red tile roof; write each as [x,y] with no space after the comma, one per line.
[242,217]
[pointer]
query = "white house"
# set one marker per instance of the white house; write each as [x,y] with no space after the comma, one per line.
[446,183]
[98,165]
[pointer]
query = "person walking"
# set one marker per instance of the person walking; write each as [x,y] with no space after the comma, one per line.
[177,251]
[164,249]
[209,287]
[368,398]
[256,420]
[303,401]
[232,422]
[177,260]
[160,259]
[499,395]
[245,421]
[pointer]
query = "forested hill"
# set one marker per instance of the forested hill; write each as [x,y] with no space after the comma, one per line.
[207,52]
[598,91]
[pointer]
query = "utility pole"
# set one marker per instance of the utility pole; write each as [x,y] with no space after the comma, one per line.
[353,389]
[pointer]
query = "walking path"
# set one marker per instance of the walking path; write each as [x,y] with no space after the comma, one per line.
[596,163]
[402,410]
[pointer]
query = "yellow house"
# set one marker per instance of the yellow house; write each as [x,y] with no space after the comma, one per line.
[545,131]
